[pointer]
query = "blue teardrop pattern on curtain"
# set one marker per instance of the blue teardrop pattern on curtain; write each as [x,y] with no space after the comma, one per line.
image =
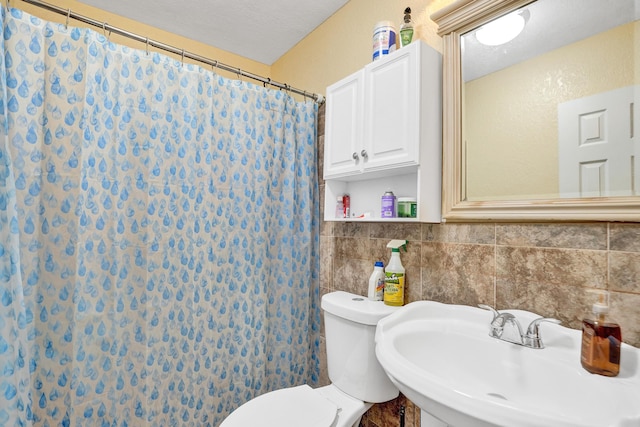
[166,219]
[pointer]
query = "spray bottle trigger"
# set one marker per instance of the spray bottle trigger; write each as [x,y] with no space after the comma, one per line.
[396,244]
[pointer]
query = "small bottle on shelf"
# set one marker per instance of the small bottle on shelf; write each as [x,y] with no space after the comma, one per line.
[339,207]
[346,203]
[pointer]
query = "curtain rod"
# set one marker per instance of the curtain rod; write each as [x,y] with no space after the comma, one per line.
[168,48]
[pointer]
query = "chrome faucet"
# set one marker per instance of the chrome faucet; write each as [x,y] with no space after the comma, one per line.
[506,327]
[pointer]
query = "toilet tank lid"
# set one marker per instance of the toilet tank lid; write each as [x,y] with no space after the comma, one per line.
[355,308]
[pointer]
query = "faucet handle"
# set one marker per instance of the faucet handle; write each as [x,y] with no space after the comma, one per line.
[504,326]
[534,326]
[532,338]
[495,312]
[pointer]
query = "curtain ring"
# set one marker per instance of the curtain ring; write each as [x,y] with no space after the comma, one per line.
[66,25]
[183,57]
[104,30]
[239,73]
[147,46]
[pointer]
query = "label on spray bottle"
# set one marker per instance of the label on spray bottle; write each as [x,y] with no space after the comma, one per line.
[380,288]
[394,288]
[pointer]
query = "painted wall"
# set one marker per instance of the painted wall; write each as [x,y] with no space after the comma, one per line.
[343,43]
[145,31]
[338,47]
[518,136]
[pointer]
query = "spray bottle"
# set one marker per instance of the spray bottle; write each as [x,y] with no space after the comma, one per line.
[394,275]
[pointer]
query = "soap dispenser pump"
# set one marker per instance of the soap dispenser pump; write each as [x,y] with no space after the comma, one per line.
[406,29]
[601,339]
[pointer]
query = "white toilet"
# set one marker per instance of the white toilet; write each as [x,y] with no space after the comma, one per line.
[357,379]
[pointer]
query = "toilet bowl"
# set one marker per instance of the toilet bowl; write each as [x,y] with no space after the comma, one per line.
[300,406]
[357,379]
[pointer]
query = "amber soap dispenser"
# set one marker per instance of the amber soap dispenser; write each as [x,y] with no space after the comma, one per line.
[601,340]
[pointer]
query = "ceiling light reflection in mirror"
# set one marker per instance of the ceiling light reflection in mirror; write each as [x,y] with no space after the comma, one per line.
[502,30]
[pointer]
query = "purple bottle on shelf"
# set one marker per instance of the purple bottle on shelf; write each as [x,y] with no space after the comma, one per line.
[388,206]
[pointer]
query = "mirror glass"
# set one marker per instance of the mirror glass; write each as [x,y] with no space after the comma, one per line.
[552,113]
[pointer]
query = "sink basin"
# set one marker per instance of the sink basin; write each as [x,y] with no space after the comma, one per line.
[442,358]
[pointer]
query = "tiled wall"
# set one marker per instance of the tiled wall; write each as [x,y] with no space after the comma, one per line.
[544,268]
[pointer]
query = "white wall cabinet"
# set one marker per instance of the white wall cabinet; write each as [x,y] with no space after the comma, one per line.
[344,103]
[383,131]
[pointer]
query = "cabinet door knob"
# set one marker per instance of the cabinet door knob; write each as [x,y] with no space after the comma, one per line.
[354,156]
[363,153]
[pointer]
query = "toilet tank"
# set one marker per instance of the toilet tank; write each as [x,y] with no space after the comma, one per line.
[350,325]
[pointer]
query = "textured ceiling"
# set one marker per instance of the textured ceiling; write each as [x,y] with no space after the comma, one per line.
[551,24]
[258,30]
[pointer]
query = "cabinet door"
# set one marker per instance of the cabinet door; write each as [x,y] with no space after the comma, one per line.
[343,127]
[391,130]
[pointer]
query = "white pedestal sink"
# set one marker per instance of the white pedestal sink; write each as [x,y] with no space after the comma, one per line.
[442,358]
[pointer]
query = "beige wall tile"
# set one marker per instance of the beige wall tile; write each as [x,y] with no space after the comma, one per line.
[459,233]
[457,273]
[352,248]
[324,373]
[624,271]
[625,310]
[577,236]
[625,237]
[380,252]
[321,157]
[523,266]
[352,275]
[351,229]
[565,303]
[327,255]
[396,231]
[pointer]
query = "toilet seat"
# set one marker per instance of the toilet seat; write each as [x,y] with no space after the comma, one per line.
[289,407]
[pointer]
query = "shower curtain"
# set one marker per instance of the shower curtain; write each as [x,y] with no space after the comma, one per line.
[158,235]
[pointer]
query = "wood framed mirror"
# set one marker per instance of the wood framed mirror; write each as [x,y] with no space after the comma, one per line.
[487,176]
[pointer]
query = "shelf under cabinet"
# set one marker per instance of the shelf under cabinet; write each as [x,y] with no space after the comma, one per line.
[366,196]
[401,220]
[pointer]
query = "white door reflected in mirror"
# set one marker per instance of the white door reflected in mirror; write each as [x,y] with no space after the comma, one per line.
[597,145]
